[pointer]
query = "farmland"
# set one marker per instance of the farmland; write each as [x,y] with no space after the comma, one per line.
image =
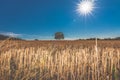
[60,60]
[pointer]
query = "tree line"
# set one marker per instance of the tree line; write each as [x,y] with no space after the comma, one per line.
[57,36]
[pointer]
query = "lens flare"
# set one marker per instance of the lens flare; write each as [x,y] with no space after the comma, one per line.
[85,7]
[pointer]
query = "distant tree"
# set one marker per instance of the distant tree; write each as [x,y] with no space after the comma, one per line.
[117,38]
[108,38]
[3,37]
[36,39]
[93,39]
[59,35]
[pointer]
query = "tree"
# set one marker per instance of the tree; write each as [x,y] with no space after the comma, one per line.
[59,35]
[36,39]
[117,38]
[4,37]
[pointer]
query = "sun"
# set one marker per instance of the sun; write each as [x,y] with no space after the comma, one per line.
[85,7]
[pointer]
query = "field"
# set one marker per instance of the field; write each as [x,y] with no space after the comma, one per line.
[60,60]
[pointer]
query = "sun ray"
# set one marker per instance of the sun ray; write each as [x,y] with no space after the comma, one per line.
[85,7]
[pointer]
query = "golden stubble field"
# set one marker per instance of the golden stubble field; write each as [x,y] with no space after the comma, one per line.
[60,60]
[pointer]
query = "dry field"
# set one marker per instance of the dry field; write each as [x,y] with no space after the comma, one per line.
[60,60]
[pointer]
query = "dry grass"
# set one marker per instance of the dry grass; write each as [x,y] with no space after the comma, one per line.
[59,60]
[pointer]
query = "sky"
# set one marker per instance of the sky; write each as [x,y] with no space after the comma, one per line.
[40,19]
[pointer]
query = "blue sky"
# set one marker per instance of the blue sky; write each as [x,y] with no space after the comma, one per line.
[40,19]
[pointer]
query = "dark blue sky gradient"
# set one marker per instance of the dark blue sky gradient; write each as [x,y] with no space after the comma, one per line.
[42,18]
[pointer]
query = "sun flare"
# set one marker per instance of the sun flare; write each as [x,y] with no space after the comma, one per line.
[85,7]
